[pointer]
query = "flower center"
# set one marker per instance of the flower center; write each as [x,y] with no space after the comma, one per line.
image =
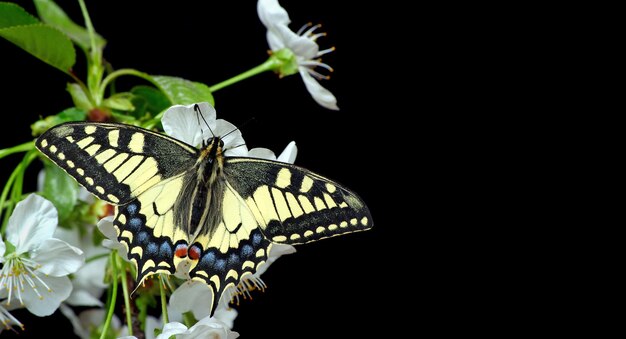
[308,31]
[17,274]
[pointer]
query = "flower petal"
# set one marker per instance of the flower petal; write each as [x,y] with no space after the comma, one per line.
[226,315]
[289,154]
[262,153]
[171,329]
[276,251]
[183,123]
[58,258]
[274,40]
[50,296]
[209,327]
[68,312]
[95,317]
[303,47]
[320,94]
[192,296]
[234,144]
[82,298]
[105,225]
[33,220]
[271,13]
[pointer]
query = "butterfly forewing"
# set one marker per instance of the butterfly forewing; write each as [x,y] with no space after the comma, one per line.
[293,205]
[115,162]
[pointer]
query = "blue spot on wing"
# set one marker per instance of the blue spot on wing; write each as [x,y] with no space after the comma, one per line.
[135,223]
[246,251]
[220,265]
[256,239]
[151,249]
[208,259]
[142,238]
[233,259]
[131,208]
[165,250]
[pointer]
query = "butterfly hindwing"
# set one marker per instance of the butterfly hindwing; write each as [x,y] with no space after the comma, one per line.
[235,248]
[293,205]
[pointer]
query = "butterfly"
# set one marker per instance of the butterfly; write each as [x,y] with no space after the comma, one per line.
[177,204]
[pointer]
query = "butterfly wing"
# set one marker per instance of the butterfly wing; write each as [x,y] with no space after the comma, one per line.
[234,250]
[138,170]
[293,205]
[115,162]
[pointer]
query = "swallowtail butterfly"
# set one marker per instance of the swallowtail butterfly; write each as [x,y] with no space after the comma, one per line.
[176,203]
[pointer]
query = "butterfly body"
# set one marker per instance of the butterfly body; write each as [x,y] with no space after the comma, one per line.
[216,216]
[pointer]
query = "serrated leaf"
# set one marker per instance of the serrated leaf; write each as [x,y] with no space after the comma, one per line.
[183,92]
[44,42]
[53,15]
[14,15]
[60,189]
[148,100]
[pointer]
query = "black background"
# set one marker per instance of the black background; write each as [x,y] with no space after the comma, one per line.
[342,287]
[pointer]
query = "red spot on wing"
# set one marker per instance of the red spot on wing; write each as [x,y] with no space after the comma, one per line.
[195,252]
[181,250]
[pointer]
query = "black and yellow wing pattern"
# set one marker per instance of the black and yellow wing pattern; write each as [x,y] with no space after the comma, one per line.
[178,205]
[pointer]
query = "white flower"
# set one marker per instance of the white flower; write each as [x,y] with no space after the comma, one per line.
[195,297]
[288,155]
[184,123]
[36,265]
[209,328]
[302,44]
[7,320]
[88,281]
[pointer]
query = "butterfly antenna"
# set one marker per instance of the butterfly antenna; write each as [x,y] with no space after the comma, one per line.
[238,128]
[228,149]
[197,109]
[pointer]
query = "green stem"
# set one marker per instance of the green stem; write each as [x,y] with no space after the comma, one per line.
[94,66]
[113,298]
[163,301]
[268,65]
[96,257]
[25,147]
[11,184]
[89,25]
[129,320]
[126,71]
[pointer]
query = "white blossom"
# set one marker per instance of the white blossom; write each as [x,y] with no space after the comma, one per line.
[35,265]
[205,328]
[303,44]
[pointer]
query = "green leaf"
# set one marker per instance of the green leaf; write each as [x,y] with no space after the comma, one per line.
[148,101]
[180,91]
[119,101]
[14,15]
[53,15]
[60,189]
[79,97]
[70,114]
[44,42]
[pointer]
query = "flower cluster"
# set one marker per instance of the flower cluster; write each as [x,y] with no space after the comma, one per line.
[58,246]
